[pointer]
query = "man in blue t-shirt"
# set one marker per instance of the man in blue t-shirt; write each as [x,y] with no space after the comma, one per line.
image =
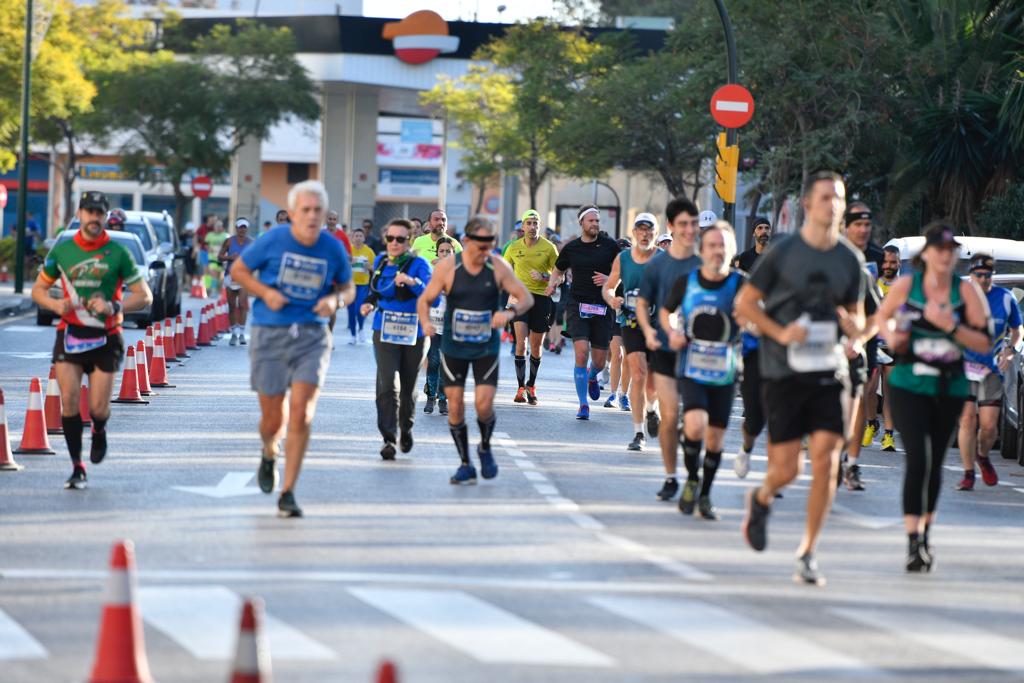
[300,275]
[979,421]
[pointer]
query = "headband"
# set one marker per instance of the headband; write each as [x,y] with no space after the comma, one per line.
[858,216]
[583,215]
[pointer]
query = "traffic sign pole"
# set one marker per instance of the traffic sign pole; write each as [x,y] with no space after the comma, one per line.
[730,133]
[26,92]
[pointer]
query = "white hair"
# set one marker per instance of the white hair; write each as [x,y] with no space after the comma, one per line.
[307,187]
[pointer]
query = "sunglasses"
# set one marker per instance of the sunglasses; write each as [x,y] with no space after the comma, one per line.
[481,238]
[396,238]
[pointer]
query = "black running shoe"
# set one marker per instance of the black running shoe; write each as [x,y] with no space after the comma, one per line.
[807,571]
[669,489]
[706,509]
[918,558]
[688,500]
[286,505]
[638,442]
[405,443]
[653,423]
[77,481]
[98,450]
[428,407]
[442,406]
[388,451]
[852,478]
[755,524]
[266,476]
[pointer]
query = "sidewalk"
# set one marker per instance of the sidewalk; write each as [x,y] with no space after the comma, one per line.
[14,304]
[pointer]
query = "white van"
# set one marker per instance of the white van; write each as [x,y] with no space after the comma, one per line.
[1009,256]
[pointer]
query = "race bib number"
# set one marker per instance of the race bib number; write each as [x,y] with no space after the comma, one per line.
[592,310]
[76,344]
[471,327]
[301,277]
[939,350]
[820,352]
[710,362]
[976,372]
[398,328]
[437,317]
[631,299]
[360,265]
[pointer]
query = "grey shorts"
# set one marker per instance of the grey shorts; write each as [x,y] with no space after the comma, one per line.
[282,355]
[989,391]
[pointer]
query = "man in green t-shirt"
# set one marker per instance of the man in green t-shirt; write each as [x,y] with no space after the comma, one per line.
[92,269]
[426,245]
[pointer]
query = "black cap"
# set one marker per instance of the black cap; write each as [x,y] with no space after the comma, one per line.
[940,235]
[983,261]
[94,200]
[758,222]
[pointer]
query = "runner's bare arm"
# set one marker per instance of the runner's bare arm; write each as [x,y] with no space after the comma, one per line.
[895,338]
[508,281]
[440,282]
[139,296]
[676,339]
[554,281]
[608,292]
[41,296]
[241,274]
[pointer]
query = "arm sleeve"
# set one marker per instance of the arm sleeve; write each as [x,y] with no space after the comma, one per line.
[256,255]
[674,296]
[344,272]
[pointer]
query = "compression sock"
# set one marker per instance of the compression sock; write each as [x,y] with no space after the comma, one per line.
[691,458]
[460,435]
[73,437]
[534,368]
[712,459]
[98,447]
[594,372]
[486,429]
[579,376]
[520,370]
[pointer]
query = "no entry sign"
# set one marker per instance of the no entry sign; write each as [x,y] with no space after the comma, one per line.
[732,106]
[202,186]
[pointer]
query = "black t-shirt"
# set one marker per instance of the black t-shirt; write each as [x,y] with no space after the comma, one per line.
[874,257]
[746,260]
[584,259]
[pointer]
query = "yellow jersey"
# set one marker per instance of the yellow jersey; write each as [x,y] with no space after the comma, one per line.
[540,257]
[884,286]
[362,263]
[425,246]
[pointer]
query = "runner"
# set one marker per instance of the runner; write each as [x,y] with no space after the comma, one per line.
[663,271]
[890,271]
[303,277]
[928,319]
[399,276]
[979,423]
[116,218]
[532,258]
[445,249]
[471,338]
[560,298]
[615,369]
[417,227]
[91,268]
[628,271]
[333,226]
[362,262]
[707,340]
[588,318]
[238,300]
[811,286]
[214,241]
[426,245]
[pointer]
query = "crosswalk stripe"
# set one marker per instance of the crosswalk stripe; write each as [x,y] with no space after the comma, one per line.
[742,641]
[16,642]
[484,632]
[991,650]
[204,621]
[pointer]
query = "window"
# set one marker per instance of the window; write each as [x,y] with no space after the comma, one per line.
[297,173]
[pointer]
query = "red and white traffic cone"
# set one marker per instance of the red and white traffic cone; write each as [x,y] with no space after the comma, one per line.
[33,438]
[179,338]
[252,656]
[83,405]
[205,334]
[149,344]
[190,333]
[7,463]
[120,647]
[52,407]
[387,673]
[158,376]
[170,356]
[143,369]
[198,288]
[130,382]
[225,324]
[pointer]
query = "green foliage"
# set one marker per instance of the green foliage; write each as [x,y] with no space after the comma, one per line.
[1003,215]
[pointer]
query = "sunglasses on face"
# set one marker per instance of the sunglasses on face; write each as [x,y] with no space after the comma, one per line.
[401,239]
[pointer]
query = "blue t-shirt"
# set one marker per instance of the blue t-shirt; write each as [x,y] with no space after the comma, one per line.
[384,287]
[303,274]
[1005,316]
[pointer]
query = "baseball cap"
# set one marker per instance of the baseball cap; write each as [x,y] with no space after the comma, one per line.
[665,237]
[242,223]
[707,219]
[94,200]
[984,261]
[940,235]
[529,213]
[646,218]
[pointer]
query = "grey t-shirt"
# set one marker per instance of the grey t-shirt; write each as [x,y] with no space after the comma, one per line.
[796,279]
[660,275]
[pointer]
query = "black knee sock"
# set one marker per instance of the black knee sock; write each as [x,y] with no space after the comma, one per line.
[520,369]
[924,536]
[460,435]
[73,436]
[912,540]
[691,458]
[99,424]
[486,429]
[534,367]
[712,459]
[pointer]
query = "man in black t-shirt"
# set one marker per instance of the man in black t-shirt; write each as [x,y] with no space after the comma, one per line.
[762,236]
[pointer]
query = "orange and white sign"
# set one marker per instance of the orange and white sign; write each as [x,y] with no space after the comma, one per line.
[420,37]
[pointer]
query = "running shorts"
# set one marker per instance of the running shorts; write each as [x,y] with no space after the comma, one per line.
[595,329]
[633,340]
[281,355]
[988,391]
[797,408]
[538,318]
[106,358]
[716,401]
[455,371]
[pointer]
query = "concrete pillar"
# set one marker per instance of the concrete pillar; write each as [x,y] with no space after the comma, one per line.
[348,151]
[246,168]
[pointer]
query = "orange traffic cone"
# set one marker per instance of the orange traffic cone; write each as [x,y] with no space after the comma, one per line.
[158,376]
[120,648]
[33,438]
[130,381]
[252,656]
[149,345]
[205,334]
[387,673]
[179,338]
[83,405]
[7,463]
[190,333]
[170,356]
[52,406]
[143,369]
[222,307]
[198,288]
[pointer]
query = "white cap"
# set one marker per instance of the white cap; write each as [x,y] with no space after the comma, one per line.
[662,238]
[242,222]
[707,219]
[646,218]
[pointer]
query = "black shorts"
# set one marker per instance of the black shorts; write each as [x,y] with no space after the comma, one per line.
[540,315]
[106,358]
[455,371]
[871,349]
[633,340]
[662,362]
[797,408]
[715,401]
[596,329]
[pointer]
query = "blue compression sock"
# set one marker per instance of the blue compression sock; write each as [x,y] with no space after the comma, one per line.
[579,376]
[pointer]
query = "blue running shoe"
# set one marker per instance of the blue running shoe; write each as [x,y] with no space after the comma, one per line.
[610,403]
[464,476]
[584,412]
[594,389]
[624,403]
[488,466]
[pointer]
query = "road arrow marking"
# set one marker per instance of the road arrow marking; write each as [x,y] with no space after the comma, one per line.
[233,484]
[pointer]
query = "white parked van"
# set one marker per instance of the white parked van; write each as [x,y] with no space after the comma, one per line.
[1009,256]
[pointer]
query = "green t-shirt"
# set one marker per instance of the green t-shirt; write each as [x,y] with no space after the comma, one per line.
[425,246]
[214,240]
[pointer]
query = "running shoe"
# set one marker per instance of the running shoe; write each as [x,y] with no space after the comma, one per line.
[464,476]
[624,403]
[688,500]
[638,442]
[531,395]
[488,466]
[266,476]
[967,483]
[988,471]
[610,403]
[755,524]
[241,338]
[869,435]
[918,558]
[77,481]
[888,442]
[405,442]
[286,505]
[669,489]
[741,464]
[852,478]
[706,509]
[442,406]
[428,407]
[520,395]
[388,451]
[606,377]
[593,389]
[98,448]
[584,412]
[234,340]
[807,571]
[653,423]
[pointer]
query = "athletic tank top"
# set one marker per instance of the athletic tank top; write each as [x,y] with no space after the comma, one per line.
[470,305]
[235,248]
[710,357]
[631,275]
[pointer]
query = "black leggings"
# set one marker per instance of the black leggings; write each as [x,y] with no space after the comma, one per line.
[926,425]
[750,390]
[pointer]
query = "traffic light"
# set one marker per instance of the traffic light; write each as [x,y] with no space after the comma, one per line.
[726,167]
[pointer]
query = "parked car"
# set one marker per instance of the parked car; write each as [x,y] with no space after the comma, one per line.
[172,251]
[154,276]
[1011,422]
[1009,255]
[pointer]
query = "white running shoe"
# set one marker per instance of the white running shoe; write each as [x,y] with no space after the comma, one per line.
[741,464]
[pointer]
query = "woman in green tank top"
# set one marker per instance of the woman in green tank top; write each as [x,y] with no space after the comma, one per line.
[928,319]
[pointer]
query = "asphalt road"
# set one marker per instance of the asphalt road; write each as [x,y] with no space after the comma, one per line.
[564,568]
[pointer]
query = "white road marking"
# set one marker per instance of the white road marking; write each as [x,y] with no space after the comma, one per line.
[985,648]
[25,328]
[479,629]
[866,521]
[546,489]
[204,621]
[16,642]
[28,355]
[750,644]
[233,484]
[535,476]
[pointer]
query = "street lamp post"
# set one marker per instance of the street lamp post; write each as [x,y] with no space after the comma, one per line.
[618,202]
[26,91]
[730,48]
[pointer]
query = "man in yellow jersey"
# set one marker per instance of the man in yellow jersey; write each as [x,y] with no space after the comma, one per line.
[426,245]
[889,273]
[362,262]
[532,257]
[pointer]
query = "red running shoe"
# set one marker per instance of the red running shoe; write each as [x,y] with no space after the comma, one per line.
[988,471]
[967,483]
